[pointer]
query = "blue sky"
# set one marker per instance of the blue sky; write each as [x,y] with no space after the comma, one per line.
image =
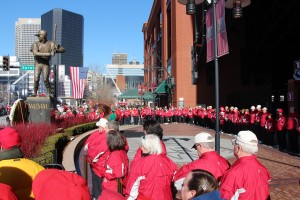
[110,26]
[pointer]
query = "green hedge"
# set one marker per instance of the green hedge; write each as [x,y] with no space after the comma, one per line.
[52,150]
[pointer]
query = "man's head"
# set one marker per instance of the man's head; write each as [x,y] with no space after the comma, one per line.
[245,144]
[42,34]
[59,184]
[102,124]
[204,142]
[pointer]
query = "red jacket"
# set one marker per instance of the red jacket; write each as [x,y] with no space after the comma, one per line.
[116,166]
[246,179]
[107,194]
[263,119]
[138,154]
[270,125]
[209,161]
[292,122]
[151,178]
[281,123]
[96,148]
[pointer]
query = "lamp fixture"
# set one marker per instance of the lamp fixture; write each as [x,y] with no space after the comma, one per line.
[190,5]
[184,2]
[236,6]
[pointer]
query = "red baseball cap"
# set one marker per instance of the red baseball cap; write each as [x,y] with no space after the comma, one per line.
[280,110]
[9,138]
[58,184]
[6,192]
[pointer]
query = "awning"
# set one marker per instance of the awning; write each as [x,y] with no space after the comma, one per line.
[133,94]
[162,88]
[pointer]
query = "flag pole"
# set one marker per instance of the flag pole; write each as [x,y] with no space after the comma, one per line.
[217,136]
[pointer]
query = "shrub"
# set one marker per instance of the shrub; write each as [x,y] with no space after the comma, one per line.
[33,137]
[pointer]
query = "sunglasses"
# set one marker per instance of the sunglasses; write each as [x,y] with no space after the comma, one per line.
[234,142]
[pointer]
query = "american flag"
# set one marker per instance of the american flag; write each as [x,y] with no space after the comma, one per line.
[78,78]
[221,32]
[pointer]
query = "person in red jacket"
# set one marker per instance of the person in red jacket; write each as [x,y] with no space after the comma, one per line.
[269,130]
[291,130]
[150,127]
[263,119]
[209,160]
[97,151]
[152,177]
[280,130]
[96,147]
[115,167]
[247,178]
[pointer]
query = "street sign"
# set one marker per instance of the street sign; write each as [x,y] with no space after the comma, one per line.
[27,67]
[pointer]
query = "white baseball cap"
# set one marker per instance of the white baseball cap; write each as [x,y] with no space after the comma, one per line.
[203,137]
[247,137]
[102,122]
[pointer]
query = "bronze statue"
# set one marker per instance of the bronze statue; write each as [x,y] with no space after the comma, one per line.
[42,51]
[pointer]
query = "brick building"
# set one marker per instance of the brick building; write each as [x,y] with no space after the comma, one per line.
[258,69]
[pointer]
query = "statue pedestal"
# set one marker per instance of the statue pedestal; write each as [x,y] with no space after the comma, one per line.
[39,109]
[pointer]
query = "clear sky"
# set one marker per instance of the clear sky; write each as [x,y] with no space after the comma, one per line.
[110,26]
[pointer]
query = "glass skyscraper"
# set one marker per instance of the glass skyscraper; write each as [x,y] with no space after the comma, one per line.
[69,29]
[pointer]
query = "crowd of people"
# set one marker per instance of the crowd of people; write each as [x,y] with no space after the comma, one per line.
[151,175]
[280,130]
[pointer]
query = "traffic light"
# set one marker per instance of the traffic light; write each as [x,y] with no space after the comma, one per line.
[5,63]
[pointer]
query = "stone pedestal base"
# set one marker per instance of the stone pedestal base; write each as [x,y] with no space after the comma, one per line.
[39,109]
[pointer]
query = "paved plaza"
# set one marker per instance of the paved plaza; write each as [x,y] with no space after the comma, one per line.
[179,138]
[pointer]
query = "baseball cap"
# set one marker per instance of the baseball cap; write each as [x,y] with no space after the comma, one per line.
[280,110]
[203,137]
[58,184]
[246,137]
[9,138]
[102,122]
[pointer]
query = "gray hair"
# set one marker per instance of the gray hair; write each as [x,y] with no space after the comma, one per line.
[152,143]
[208,145]
[113,125]
[251,149]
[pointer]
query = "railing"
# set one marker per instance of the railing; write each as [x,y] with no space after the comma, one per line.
[47,158]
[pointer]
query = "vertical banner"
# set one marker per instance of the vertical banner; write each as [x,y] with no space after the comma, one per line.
[221,32]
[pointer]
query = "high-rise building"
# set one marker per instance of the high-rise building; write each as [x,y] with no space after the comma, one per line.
[25,28]
[119,58]
[66,28]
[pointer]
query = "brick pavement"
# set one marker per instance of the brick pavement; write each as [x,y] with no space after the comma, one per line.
[284,168]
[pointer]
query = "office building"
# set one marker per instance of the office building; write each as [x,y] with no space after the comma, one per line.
[25,29]
[67,29]
[126,76]
[119,59]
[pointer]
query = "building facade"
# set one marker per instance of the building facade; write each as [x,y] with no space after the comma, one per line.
[25,29]
[126,76]
[67,29]
[119,59]
[257,69]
